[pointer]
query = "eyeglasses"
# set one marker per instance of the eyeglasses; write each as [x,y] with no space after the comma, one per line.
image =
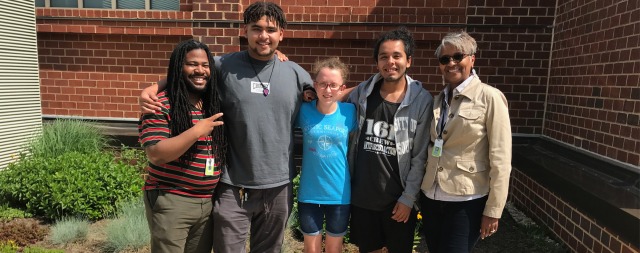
[333,86]
[457,57]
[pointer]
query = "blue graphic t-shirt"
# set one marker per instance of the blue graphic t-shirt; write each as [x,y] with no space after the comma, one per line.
[325,175]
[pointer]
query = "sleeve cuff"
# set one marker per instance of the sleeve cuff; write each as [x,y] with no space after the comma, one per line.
[493,212]
[406,201]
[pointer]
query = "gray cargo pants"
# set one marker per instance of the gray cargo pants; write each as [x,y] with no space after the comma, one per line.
[266,211]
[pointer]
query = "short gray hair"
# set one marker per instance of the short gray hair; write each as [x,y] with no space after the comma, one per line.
[461,41]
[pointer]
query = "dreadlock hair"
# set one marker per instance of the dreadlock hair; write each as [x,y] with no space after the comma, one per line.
[400,33]
[180,110]
[272,11]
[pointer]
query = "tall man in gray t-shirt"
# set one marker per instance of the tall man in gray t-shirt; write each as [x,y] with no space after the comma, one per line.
[260,98]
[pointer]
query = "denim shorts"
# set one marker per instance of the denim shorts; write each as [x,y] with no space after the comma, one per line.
[312,217]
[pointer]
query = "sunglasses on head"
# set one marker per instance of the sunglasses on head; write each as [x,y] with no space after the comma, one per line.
[457,57]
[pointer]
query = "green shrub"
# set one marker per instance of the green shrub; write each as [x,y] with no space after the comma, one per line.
[65,136]
[70,185]
[134,157]
[69,229]
[129,230]
[9,213]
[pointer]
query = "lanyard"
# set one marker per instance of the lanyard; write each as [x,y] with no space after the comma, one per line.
[443,116]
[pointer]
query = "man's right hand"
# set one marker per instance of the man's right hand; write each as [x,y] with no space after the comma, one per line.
[149,101]
[204,127]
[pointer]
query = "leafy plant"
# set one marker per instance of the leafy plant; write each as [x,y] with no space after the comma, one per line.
[129,230]
[416,237]
[71,184]
[8,247]
[134,157]
[69,229]
[11,247]
[21,233]
[8,213]
[66,135]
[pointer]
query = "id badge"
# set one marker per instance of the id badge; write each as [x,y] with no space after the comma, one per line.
[208,170]
[437,148]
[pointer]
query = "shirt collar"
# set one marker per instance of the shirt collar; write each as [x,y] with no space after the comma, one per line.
[461,87]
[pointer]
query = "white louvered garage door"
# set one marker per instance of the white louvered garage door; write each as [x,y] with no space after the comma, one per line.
[20,113]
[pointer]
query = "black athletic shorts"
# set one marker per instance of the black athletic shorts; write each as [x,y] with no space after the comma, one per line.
[372,230]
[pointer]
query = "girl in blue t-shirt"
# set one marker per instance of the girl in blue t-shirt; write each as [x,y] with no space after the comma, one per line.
[325,182]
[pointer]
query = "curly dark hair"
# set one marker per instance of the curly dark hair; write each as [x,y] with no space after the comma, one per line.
[400,33]
[257,10]
[180,110]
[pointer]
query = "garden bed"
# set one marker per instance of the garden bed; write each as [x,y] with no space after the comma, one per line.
[511,237]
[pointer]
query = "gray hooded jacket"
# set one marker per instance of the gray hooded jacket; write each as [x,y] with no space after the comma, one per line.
[411,126]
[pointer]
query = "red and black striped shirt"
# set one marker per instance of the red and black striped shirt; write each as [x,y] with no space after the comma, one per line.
[187,178]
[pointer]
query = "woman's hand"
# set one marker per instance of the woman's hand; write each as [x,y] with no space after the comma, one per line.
[488,226]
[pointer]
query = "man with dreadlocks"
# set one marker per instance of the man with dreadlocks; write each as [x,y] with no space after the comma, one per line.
[260,98]
[186,146]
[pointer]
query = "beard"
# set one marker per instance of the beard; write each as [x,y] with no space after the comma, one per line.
[391,79]
[191,88]
[255,50]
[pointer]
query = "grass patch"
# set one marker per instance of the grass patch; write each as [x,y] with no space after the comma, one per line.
[542,239]
[8,213]
[69,229]
[41,250]
[11,247]
[129,230]
[541,235]
[66,136]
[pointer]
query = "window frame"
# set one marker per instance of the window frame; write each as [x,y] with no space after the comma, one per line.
[147,6]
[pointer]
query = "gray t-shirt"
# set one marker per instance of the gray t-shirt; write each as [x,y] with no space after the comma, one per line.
[259,127]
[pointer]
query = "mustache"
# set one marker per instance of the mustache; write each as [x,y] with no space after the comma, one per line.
[205,76]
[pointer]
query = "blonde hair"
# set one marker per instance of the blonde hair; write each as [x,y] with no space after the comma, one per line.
[461,41]
[332,63]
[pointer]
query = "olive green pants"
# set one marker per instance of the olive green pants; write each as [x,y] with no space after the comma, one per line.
[179,224]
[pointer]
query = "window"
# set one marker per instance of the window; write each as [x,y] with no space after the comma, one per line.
[64,3]
[97,4]
[171,5]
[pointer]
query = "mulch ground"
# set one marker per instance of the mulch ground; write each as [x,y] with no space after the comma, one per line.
[510,237]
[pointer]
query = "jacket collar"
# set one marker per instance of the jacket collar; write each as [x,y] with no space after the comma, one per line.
[472,88]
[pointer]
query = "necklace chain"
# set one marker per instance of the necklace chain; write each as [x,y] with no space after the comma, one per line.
[265,91]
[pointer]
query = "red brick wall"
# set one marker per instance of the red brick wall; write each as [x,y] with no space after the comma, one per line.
[515,60]
[95,75]
[594,94]
[578,231]
[359,56]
